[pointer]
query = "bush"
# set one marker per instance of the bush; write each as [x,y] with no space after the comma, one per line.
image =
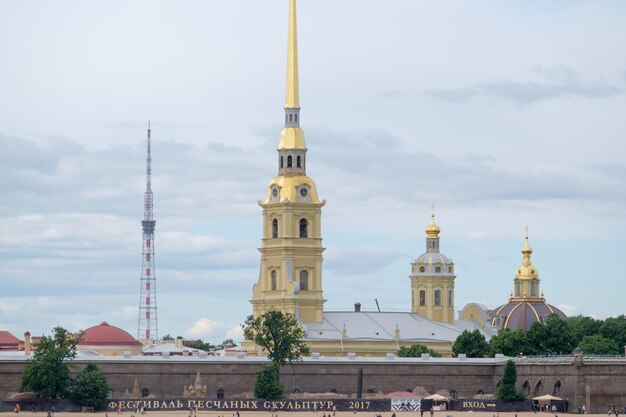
[90,389]
[267,385]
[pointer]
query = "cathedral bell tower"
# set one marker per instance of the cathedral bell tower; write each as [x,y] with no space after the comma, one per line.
[290,279]
[432,280]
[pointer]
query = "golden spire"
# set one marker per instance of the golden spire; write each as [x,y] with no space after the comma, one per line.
[527,250]
[292,99]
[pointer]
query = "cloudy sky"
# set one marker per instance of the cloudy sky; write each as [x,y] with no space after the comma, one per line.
[504,114]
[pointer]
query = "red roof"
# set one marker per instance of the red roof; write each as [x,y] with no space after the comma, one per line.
[105,334]
[8,341]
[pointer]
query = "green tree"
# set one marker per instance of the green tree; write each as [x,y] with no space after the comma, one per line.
[168,338]
[47,374]
[279,334]
[200,345]
[553,337]
[615,328]
[267,385]
[229,341]
[509,342]
[507,390]
[473,344]
[90,389]
[581,326]
[599,345]
[416,350]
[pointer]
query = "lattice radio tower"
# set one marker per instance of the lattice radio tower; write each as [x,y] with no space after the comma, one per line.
[147,328]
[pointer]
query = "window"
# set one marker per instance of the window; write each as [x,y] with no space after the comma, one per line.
[480,392]
[304,280]
[304,225]
[422,298]
[557,389]
[422,269]
[538,388]
[274,229]
[274,280]
[518,288]
[291,117]
[282,162]
[298,161]
[453,394]
[295,116]
[526,388]
[533,289]
[220,394]
[438,269]
[437,297]
[449,298]
[289,161]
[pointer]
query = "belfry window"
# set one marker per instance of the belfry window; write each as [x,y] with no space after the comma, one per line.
[298,161]
[449,298]
[438,269]
[295,116]
[289,161]
[304,280]
[438,297]
[533,289]
[282,164]
[274,280]
[304,228]
[274,229]
[422,298]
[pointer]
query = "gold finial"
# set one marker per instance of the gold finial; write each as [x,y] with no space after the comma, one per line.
[292,99]
[432,230]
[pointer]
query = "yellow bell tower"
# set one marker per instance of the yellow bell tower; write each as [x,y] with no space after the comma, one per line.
[290,278]
[432,280]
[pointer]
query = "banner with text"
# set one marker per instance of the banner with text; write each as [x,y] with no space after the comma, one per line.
[257,405]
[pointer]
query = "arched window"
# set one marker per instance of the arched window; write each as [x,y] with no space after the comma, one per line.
[220,394]
[453,394]
[480,392]
[438,269]
[298,161]
[557,389]
[304,280]
[291,117]
[274,229]
[533,289]
[538,388]
[518,288]
[289,161]
[295,116]
[437,297]
[274,280]
[422,298]
[526,388]
[304,226]
[282,161]
[449,298]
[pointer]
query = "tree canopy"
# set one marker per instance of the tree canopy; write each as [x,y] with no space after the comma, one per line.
[90,388]
[47,374]
[473,344]
[279,334]
[416,350]
[507,390]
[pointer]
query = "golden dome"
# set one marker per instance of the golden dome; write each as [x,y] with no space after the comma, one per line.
[432,230]
[288,188]
[291,138]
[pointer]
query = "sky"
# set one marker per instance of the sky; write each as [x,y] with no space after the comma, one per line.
[502,114]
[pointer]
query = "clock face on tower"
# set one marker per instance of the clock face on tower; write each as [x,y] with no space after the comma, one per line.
[304,192]
[275,192]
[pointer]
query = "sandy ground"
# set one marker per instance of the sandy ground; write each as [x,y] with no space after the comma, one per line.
[184,413]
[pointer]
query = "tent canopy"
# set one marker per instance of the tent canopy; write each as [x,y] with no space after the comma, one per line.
[437,397]
[547,397]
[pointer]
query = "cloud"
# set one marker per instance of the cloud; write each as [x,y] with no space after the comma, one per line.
[235,333]
[568,309]
[205,328]
[358,260]
[553,82]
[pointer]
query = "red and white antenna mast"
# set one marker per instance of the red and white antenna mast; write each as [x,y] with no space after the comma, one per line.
[147,328]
